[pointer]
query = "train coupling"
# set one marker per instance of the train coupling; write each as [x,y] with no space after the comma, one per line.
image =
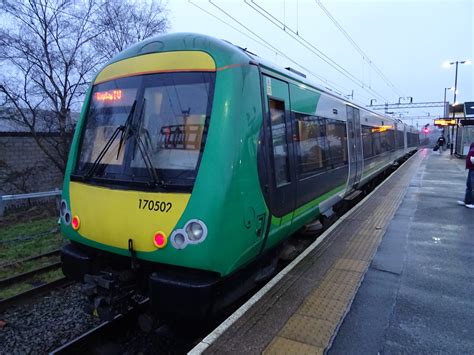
[110,293]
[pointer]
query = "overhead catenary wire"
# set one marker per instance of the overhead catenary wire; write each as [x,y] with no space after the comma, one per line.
[268,45]
[328,84]
[231,26]
[365,57]
[308,45]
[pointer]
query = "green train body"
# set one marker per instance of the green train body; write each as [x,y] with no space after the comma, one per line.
[211,140]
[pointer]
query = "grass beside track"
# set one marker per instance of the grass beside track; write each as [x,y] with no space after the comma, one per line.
[25,239]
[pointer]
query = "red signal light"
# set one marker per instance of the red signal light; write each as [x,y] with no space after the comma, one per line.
[426,130]
[160,240]
[75,223]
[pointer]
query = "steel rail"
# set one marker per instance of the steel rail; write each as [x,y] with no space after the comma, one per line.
[28,274]
[103,331]
[31,258]
[39,290]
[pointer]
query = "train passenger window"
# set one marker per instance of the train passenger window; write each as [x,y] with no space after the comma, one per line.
[337,142]
[367,141]
[310,135]
[399,139]
[376,142]
[390,140]
[385,141]
[279,141]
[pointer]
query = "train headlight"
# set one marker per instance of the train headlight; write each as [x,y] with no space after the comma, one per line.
[179,240]
[65,213]
[196,231]
[63,208]
[67,217]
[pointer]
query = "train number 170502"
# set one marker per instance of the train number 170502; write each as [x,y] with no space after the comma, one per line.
[152,205]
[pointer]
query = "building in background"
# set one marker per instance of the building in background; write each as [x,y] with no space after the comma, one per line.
[464,114]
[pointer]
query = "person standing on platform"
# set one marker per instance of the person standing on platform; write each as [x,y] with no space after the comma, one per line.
[469,197]
[441,142]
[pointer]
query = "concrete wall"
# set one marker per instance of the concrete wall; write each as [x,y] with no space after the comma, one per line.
[21,156]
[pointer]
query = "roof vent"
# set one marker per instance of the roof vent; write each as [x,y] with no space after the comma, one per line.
[296,72]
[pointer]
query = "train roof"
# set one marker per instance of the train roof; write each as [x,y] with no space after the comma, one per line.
[224,54]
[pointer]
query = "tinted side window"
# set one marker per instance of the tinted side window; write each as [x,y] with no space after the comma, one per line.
[386,140]
[376,141]
[310,135]
[337,142]
[279,141]
[367,141]
[399,139]
[390,140]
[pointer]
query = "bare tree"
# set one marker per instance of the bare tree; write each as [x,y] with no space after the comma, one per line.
[46,50]
[124,23]
[52,48]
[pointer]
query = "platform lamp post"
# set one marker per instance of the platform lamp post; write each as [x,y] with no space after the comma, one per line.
[446,111]
[447,65]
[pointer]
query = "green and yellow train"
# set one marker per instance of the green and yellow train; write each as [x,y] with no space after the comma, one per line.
[194,160]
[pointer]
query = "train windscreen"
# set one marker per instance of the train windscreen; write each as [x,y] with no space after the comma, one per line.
[148,129]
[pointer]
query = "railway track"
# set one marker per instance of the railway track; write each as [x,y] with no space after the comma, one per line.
[14,264]
[34,292]
[103,332]
[28,274]
[40,287]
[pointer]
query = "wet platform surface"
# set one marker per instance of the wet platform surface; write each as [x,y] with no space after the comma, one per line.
[393,276]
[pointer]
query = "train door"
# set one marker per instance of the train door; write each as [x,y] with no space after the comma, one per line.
[354,142]
[282,178]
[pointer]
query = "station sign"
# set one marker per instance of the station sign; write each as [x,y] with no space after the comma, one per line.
[469,108]
[445,122]
[381,128]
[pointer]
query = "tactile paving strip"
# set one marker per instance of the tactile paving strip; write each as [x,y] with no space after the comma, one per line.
[283,346]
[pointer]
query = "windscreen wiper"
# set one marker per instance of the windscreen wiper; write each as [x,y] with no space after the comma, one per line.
[143,151]
[122,128]
[126,127]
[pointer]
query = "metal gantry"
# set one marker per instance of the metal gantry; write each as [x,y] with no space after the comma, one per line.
[407,105]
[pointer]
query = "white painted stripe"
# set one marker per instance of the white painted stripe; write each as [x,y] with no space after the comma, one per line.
[212,337]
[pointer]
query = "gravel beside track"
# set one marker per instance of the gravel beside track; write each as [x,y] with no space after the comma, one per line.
[46,323]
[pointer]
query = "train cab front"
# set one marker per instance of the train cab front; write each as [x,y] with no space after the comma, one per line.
[132,169]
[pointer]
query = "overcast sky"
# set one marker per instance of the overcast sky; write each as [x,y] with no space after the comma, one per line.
[403,43]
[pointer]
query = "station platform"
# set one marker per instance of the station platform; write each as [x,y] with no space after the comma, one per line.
[393,275]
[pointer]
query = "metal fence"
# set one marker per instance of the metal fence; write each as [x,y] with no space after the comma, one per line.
[4,198]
